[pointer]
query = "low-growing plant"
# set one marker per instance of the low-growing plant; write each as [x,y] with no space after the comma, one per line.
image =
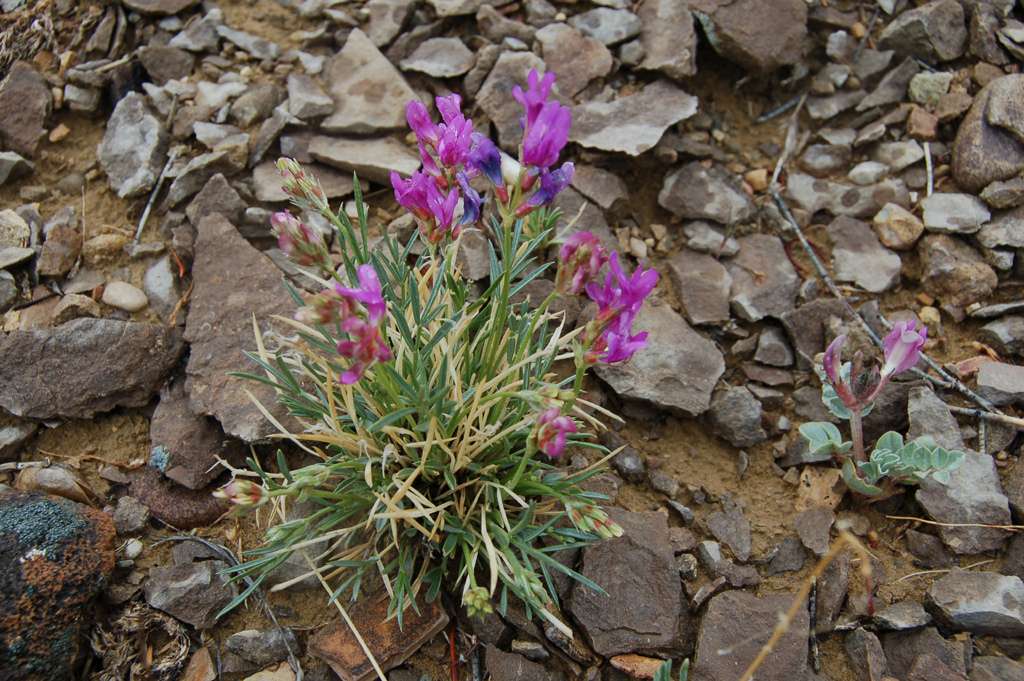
[849,390]
[434,409]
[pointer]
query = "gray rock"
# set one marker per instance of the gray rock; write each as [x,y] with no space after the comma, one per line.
[193,592]
[25,107]
[1001,383]
[13,167]
[66,371]
[440,58]
[576,58]
[219,327]
[511,69]
[600,186]
[497,28]
[993,668]
[693,191]
[371,159]
[736,416]
[702,284]
[984,153]
[814,527]
[928,550]
[973,495]
[790,557]
[668,38]
[198,172]
[1005,103]
[979,602]
[124,296]
[14,255]
[732,528]
[134,147]
[130,517]
[865,653]
[640,610]
[1005,231]
[1005,194]
[822,160]
[899,155]
[773,348]
[369,93]
[773,292]
[902,648]
[892,88]
[930,416]
[902,616]
[216,197]
[814,194]
[261,648]
[502,666]
[386,19]
[936,31]
[306,99]
[633,123]
[824,108]
[868,172]
[954,213]
[832,590]
[897,227]
[758,35]
[256,103]
[159,7]
[268,133]
[200,34]
[258,47]
[14,433]
[738,622]
[160,284]
[190,443]
[677,370]
[859,257]
[703,237]
[164,63]
[1005,334]
[610,26]
[954,272]
[927,88]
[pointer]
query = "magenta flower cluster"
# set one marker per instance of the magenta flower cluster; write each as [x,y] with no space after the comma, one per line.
[359,312]
[452,154]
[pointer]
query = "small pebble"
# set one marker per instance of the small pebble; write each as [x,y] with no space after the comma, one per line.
[124,296]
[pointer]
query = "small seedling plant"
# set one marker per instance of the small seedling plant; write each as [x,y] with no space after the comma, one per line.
[850,390]
[432,408]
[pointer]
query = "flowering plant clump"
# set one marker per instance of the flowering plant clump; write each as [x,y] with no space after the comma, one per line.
[432,409]
[849,391]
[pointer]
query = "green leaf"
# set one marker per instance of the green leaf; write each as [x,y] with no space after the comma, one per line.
[824,438]
[855,483]
[910,462]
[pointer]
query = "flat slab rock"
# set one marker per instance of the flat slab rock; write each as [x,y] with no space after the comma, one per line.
[973,495]
[640,608]
[390,645]
[677,370]
[232,283]
[634,123]
[84,367]
[741,623]
[979,602]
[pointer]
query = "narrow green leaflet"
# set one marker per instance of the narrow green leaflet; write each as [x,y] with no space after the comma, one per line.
[910,462]
[824,438]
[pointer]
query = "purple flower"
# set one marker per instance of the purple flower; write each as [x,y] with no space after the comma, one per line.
[546,135]
[903,347]
[450,108]
[832,363]
[412,194]
[617,343]
[551,184]
[442,209]
[580,259]
[418,117]
[364,347]
[621,294]
[553,428]
[471,201]
[485,158]
[536,94]
[369,293]
[454,142]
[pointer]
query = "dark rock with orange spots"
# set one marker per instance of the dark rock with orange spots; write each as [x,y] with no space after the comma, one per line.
[55,557]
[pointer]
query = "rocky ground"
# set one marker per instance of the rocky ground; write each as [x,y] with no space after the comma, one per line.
[136,181]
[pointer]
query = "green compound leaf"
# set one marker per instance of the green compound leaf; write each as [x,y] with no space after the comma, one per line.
[855,483]
[911,462]
[824,438]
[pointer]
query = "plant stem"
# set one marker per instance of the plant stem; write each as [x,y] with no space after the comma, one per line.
[857,431]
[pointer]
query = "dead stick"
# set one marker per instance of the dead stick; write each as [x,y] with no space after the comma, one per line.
[153,194]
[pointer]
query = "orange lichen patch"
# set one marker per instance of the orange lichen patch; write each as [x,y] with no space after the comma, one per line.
[55,556]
